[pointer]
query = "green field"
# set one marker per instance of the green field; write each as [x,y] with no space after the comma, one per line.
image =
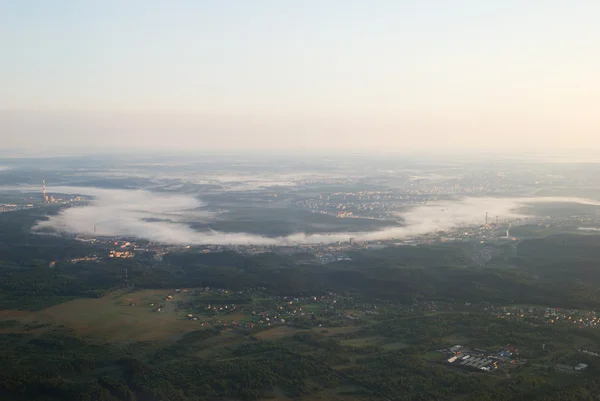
[362,341]
[118,317]
[277,333]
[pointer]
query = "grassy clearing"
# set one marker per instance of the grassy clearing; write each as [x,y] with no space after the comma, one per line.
[9,323]
[114,318]
[312,307]
[330,331]
[19,315]
[343,390]
[117,317]
[132,316]
[217,348]
[433,356]
[363,341]
[395,346]
[277,333]
[455,339]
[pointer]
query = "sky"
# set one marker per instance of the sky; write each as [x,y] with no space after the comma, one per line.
[339,75]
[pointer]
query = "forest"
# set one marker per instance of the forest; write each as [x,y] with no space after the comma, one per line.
[388,356]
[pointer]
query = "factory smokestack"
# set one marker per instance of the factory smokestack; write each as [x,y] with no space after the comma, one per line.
[44,194]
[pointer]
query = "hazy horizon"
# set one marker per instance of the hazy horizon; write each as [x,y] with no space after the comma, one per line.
[543,156]
[346,76]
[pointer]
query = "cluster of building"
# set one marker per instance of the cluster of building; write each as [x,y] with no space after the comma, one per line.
[277,310]
[220,309]
[11,207]
[126,248]
[325,181]
[120,254]
[222,323]
[35,201]
[576,317]
[480,359]
[580,318]
[364,205]
[84,259]
[585,351]
[482,363]
[326,258]
[580,367]
[267,310]
[274,310]
[419,190]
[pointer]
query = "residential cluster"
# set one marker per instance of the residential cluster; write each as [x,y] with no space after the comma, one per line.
[120,254]
[365,205]
[11,207]
[253,307]
[580,318]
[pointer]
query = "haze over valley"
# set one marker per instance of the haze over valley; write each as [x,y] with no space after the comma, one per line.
[331,200]
[315,201]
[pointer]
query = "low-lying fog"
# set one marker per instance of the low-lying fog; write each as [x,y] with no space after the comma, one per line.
[163,218]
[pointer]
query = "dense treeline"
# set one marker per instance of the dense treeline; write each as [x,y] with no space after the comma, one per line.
[39,287]
[55,365]
[20,247]
[60,367]
[414,372]
[569,281]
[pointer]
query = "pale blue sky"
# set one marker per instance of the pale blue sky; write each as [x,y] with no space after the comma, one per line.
[345,74]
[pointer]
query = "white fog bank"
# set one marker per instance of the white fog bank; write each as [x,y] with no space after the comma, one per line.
[164,218]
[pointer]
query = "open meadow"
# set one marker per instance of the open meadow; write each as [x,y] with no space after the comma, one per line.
[117,317]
